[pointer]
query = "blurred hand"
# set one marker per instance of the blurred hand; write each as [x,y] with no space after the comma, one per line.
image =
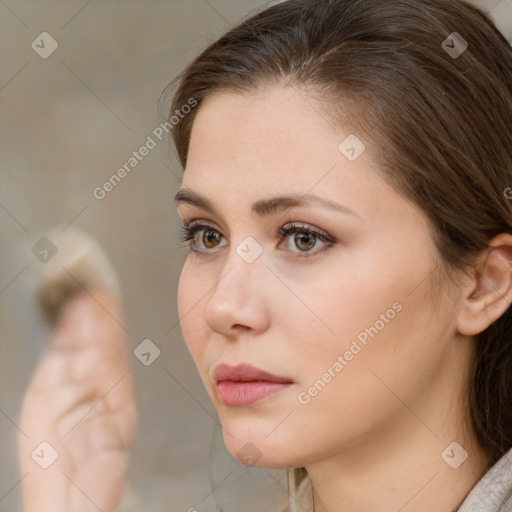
[81,401]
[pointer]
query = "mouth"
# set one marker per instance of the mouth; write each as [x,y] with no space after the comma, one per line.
[244,385]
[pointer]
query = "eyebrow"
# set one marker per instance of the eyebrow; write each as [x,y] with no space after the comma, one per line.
[265,207]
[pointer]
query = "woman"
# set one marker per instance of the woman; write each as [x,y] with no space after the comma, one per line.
[346,295]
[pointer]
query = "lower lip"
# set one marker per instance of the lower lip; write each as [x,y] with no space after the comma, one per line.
[240,394]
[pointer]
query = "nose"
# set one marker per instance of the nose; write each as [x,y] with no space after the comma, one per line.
[238,302]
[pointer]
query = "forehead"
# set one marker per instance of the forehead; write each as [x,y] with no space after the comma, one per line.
[268,117]
[275,142]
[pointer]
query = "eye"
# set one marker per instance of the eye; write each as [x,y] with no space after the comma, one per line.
[201,238]
[305,238]
[210,236]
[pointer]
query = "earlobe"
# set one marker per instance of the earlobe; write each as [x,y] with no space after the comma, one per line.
[489,294]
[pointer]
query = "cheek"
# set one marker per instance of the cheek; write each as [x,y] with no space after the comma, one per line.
[327,313]
[371,319]
[347,389]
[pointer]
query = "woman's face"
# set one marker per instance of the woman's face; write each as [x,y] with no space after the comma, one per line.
[337,312]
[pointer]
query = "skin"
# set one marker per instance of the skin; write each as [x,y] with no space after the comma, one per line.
[372,438]
[81,400]
[383,422]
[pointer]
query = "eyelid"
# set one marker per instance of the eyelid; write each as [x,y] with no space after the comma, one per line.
[194,221]
[289,226]
[296,225]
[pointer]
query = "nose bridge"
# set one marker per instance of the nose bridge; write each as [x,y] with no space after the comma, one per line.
[242,270]
[236,298]
[245,263]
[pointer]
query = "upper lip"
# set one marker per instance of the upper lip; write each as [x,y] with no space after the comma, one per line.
[244,373]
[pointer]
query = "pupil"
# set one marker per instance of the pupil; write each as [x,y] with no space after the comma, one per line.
[303,238]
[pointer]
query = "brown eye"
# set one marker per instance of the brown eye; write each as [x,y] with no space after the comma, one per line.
[200,238]
[304,241]
[211,238]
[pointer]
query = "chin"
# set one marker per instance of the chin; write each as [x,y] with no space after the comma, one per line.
[247,440]
[252,453]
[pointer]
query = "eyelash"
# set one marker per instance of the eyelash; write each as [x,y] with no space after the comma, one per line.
[189,232]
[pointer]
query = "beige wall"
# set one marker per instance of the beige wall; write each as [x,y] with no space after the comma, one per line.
[67,123]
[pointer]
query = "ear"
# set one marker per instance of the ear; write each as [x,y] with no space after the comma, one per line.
[489,293]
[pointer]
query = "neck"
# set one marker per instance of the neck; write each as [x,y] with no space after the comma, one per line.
[400,476]
[400,465]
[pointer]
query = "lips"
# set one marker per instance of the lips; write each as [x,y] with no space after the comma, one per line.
[244,385]
[244,373]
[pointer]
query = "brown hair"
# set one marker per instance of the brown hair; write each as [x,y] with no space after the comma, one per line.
[441,126]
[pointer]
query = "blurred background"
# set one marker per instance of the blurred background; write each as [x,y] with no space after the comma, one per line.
[73,109]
